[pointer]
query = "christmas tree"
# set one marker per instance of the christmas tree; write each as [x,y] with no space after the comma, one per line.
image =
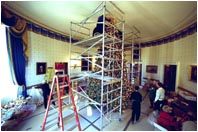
[113,59]
[94,86]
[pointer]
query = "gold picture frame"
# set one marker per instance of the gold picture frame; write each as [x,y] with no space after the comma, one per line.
[151,68]
[41,68]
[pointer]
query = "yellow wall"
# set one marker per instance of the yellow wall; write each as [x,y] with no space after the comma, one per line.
[44,49]
[182,53]
[128,56]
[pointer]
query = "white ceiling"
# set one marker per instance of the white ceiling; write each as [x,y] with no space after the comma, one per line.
[153,19]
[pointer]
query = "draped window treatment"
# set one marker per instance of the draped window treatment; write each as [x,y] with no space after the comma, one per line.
[16,45]
[17,59]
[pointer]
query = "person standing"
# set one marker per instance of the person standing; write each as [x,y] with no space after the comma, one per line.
[136,99]
[159,97]
[46,92]
[152,92]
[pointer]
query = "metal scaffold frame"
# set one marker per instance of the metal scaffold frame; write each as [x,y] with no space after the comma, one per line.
[104,72]
[134,38]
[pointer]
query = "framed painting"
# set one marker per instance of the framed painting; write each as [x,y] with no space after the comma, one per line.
[41,68]
[151,69]
[193,73]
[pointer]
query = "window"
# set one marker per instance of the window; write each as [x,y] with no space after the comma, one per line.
[85,64]
[6,79]
[136,54]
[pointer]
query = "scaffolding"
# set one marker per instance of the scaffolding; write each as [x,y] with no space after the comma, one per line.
[134,73]
[105,45]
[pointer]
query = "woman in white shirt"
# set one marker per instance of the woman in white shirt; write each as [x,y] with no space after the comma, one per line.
[160,95]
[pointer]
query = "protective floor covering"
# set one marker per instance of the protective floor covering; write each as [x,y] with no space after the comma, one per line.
[90,123]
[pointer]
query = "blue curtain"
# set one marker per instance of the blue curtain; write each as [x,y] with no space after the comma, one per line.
[16,53]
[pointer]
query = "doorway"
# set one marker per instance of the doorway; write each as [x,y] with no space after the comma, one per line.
[170,77]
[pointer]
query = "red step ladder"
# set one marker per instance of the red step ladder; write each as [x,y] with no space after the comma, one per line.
[60,82]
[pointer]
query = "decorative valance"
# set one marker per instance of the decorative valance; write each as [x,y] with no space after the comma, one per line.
[7,18]
[17,26]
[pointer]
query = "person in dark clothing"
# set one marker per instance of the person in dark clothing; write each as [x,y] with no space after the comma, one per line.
[152,91]
[136,99]
[46,92]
